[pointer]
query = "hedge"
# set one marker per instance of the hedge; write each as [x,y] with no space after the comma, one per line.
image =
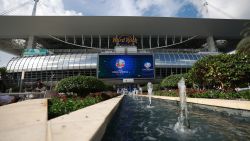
[222,95]
[172,93]
[172,80]
[62,105]
[215,94]
[80,85]
[156,87]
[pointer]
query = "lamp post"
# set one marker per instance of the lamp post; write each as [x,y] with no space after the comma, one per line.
[21,81]
[51,80]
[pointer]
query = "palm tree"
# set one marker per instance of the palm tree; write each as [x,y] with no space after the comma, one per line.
[243,46]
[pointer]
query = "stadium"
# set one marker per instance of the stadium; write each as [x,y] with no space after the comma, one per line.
[117,50]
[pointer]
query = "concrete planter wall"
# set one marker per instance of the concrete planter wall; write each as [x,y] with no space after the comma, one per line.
[27,121]
[231,107]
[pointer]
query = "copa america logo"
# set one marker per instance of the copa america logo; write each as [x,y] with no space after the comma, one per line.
[120,63]
[147,65]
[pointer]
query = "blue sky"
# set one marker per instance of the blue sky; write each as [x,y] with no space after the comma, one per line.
[102,8]
[189,11]
[236,9]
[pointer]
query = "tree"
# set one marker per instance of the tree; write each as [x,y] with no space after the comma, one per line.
[224,71]
[172,80]
[3,73]
[243,46]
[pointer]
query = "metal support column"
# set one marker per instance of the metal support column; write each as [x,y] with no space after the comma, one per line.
[31,37]
[211,44]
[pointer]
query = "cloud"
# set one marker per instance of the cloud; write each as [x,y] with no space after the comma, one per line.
[165,8]
[133,7]
[225,9]
[237,9]
[123,8]
[44,7]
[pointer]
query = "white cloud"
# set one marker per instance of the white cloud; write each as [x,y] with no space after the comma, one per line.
[166,8]
[44,7]
[133,7]
[229,9]
[237,9]
[123,8]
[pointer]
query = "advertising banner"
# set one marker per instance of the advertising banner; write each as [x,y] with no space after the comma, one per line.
[126,66]
[35,52]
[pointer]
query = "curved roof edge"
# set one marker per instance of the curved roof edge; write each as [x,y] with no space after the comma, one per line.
[19,26]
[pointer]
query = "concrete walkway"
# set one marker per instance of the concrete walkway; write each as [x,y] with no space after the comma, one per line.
[24,121]
[234,104]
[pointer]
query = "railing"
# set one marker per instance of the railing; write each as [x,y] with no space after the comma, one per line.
[27,95]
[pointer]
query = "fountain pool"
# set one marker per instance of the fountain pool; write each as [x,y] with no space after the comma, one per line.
[134,121]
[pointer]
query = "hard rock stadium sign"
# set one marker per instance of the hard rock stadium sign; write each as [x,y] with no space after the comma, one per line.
[125,40]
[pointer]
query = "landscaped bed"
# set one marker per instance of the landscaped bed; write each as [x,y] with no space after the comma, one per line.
[75,93]
[61,104]
[207,94]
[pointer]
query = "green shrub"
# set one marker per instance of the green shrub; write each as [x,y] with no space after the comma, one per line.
[226,71]
[243,46]
[109,87]
[214,94]
[172,80]
[222,95]
[3,73]
[62,105]
[81,85]
[172,93]
[156,87]
[144,88]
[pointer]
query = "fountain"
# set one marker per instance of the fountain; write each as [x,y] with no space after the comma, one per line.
[150,91]
[136,93]
[183,122]
[140,90]
[134,121]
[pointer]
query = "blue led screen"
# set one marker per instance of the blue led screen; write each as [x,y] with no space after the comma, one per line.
[126,66]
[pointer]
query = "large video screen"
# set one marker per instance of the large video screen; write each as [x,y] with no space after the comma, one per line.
[126,66]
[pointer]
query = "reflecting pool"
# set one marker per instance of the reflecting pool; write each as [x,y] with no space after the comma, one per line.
[135,121]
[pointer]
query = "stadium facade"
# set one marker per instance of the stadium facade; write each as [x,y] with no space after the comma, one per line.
[118,50]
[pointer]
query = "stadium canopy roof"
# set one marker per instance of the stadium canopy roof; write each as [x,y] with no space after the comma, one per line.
[21,26]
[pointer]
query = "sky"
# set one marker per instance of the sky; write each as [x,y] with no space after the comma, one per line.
[222,9]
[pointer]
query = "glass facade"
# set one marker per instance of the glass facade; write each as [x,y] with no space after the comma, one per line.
[53,62]
[56,67]
[176,60]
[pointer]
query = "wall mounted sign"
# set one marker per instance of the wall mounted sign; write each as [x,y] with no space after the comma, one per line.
[35,52]
[125,40]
